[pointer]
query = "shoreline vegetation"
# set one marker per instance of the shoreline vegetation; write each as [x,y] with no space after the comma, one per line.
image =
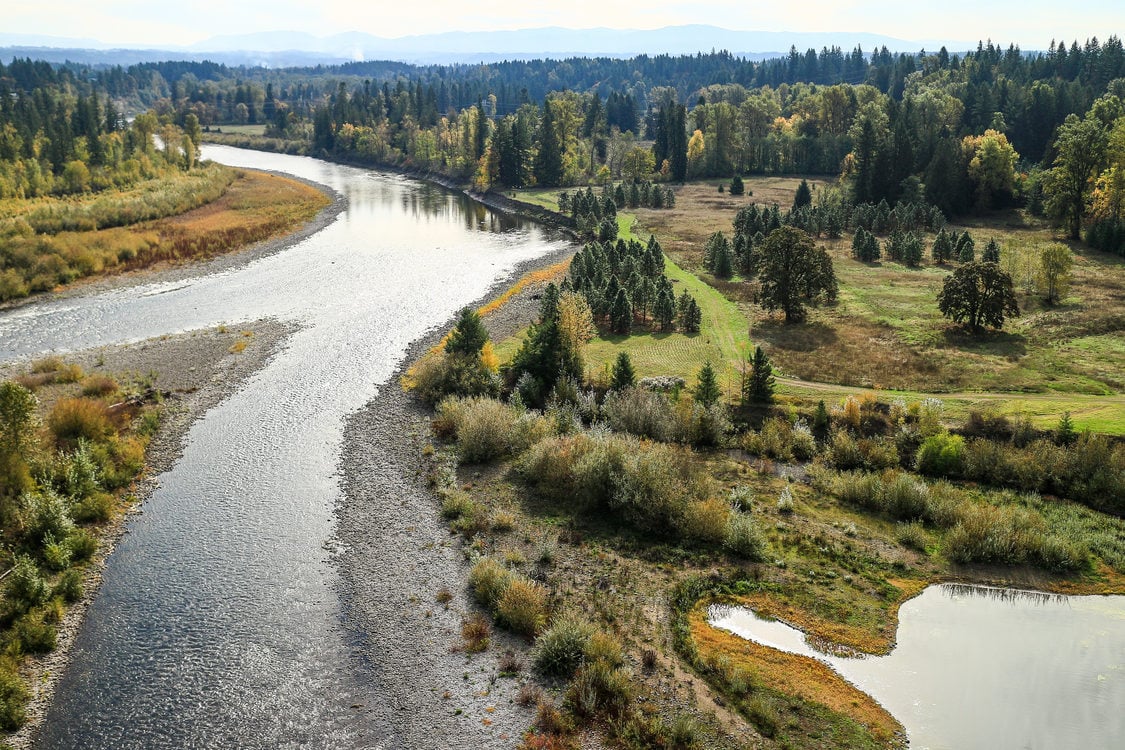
[52,243]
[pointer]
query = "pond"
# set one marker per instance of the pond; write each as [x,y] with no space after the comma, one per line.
[981,667]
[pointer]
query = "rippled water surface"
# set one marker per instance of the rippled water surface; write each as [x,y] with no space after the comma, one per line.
[977,667]
[218,624]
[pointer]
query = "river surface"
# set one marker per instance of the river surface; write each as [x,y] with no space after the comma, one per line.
[219,621]
[978,667]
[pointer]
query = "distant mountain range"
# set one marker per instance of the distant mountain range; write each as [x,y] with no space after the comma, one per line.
[287,48]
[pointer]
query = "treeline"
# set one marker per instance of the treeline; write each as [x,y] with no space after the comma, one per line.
[53,141]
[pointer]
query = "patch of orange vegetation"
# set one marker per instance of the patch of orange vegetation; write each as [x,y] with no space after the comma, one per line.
[794,675]
[550,273]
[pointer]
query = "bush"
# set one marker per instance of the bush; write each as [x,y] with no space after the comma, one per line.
[25,587]
[562,647]
[99,385]
[912,535]
[475,632]
[522,607]
[743,537]
[69,587]
[97,508]
[438,375]
[640,412]
[45,514]
[13,698]
[32,635]
[1010,535]
[82,545]
[905,498]
[843,451]
[706,520]
[598,687]
[489,579]
[483,426]
[941,455]
[73,419]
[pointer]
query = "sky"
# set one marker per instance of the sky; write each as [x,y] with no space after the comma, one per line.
[1030,23]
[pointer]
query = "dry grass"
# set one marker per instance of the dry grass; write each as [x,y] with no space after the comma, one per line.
[255,207]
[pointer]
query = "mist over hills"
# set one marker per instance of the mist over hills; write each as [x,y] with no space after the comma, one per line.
[291,48]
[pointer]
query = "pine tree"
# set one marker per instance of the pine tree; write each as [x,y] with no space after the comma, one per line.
[707,391]
[759,387]
[664,310]
[737,187]
[991,252]
[469,335]
[621,313]
[623,375]
[942,249]
[548,163]
[803,197]
[966,248]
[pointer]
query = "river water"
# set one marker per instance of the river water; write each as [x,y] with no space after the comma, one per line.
[219,621]
[979,667]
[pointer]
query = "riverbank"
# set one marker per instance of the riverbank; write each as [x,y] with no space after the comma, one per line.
[242,253]
[193,371]
[405,576]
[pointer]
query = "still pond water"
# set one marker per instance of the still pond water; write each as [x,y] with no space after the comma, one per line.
[978,667]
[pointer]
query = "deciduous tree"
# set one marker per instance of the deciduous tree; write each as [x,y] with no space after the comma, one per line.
[978,294]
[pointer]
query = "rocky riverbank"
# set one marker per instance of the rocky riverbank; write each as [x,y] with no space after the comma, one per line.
[399,555]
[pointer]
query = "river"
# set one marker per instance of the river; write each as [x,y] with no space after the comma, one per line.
[219,620]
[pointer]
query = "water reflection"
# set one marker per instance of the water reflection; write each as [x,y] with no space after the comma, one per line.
[983,667]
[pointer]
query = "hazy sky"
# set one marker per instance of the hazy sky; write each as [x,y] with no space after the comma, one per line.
[1030,23]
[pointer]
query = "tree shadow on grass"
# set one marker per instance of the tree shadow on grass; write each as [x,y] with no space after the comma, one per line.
[795,337]
[995,343]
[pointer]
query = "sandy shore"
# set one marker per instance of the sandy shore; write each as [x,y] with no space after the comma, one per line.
[196,371]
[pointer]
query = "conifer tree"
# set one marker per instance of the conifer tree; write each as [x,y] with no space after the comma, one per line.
[707,391]
[623,374]
[759,387]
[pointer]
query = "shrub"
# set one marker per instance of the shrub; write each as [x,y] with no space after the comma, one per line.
[483,426]
[25,587]
[741,498]
[1010,535]
[99,385]
[562,647]
[56,553]
[522,607]
[743,538]
[73,419]
[438,375]
[69,586]
[475,632]
[706,520]
[640,412]
[905,498]
[785,501]
[912,535]
[45,514]
[33,635]
[456,503]
[13,698]
[598,687]
[489,579]
[82,545]
[843,451]
[96,508]
[941,455]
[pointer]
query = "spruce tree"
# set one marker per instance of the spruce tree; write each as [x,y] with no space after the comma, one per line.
[991,252]
[621,313]
[759,386]
[803,196]
[943,247]
[707,391]
[966,248]
[469,335]
[623,375]
[664,310]
[548,163]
